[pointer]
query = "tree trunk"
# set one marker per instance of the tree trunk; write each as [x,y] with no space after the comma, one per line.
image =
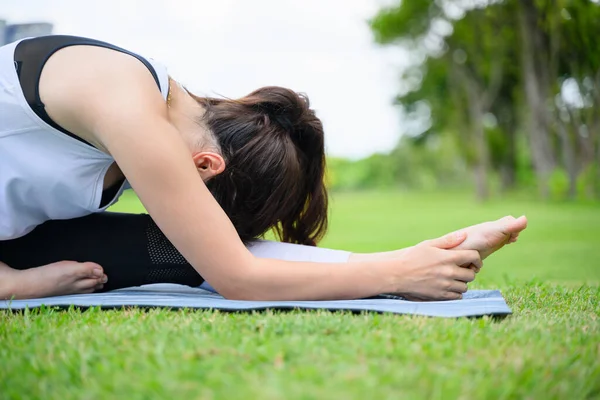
[508,168]
[585,141]
[568,156]
[482,159]
[481,166]
[594,128]
[535,93]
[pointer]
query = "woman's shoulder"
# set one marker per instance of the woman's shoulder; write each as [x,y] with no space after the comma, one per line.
[81,83]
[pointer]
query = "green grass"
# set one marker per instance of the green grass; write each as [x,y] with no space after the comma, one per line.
[549,348]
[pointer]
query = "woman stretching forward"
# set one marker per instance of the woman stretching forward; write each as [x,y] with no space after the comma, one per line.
[81,119]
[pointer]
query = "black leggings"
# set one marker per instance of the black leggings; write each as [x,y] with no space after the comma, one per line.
[130,247]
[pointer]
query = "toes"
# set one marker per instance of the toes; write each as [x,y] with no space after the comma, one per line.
[90,270]
[522,221]
[507,221]
[515,226]
[77,270]
[100,283]
[83,285]
[504,224]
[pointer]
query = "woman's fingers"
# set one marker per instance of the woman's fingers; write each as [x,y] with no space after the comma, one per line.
[463,274]
[448,241]
[451,295]
[466,257]
[457,287]
[433,273]
[473,268]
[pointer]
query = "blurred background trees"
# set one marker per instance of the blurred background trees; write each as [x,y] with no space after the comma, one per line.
[496,95]
[501,95]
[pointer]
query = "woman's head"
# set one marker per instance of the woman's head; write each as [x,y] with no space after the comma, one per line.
[273,147]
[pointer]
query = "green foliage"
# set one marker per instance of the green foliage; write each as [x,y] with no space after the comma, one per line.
[376,171]
[559,184]
[409,19]
[588,183]
[469,67]
[415,164]
[497,144]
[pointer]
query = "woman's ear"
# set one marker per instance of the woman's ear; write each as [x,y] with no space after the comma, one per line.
[208,164]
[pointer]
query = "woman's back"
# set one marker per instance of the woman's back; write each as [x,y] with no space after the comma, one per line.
[47,172]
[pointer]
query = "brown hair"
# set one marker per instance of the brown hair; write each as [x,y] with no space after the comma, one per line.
[273,147]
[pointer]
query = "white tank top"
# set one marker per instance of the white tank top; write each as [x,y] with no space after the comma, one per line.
[44,173]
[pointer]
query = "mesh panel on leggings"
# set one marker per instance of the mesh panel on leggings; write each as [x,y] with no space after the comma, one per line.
[182,275]
[169,266]
[161,251]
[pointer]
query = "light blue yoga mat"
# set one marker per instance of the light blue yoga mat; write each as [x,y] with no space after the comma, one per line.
[475,303]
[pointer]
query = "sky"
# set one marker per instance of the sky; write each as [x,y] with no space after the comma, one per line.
[232,47]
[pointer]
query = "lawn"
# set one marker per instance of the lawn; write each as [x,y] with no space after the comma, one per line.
[549,348]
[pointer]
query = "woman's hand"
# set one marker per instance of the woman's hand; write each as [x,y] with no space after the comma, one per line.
[433,272]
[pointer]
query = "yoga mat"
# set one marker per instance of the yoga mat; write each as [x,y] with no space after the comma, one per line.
[475,303]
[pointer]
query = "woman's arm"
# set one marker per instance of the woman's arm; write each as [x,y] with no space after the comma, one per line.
[297,252]
[119,104]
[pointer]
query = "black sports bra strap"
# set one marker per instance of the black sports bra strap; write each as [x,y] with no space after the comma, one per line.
[32,54]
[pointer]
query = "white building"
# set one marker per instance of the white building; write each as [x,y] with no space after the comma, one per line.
[11,32]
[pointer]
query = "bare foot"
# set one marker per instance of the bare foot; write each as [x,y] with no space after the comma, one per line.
[491,236]
[64,277]
[486,238]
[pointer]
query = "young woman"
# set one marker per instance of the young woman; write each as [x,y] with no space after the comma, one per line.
[80,120]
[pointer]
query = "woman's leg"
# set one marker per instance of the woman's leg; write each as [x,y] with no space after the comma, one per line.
[296,252]
[131,249]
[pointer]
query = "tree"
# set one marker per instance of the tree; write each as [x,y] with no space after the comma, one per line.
[463,71]
[490,71]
